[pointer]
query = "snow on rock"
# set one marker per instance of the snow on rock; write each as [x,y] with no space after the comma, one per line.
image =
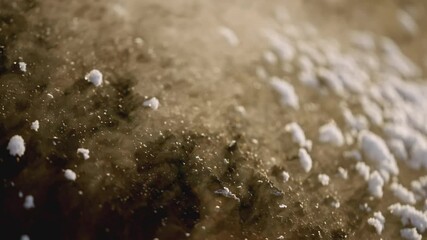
[270,57]
[353,154]
[35,125]
[70,175]
[227,193]
[308,78]
[285,176]
[152,103]
[310,50]
[305,160]
[229,35]
[94,77]
[375,184]
[409,216]
[397,147]
[404,133]
[84,152]
[420,186]
[305,64]
[323,179]
[397,61]
[418,155]
[335,204]
[402,193]
[16,146]
[286,91]
[349,140]
[352,80]
[343,173]
[25,237]
[261,73]
[407,22]
[410,234]
[372,110]
[29,202]
[241,109]
[363,40]
[375,150]
[357,122]
[281,45]
[298,135]
[330,133]
[377,221]
[22,66]
[331,80]
[363,170]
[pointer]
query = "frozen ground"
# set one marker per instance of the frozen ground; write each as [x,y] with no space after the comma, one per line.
[213,119]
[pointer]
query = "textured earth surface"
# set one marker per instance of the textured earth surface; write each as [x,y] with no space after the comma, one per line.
[217,159]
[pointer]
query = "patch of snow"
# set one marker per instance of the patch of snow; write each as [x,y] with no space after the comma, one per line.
[261,73]
[349,140]
[397,147]
[358,122]
[305,64]
[282,206]
[298,135]
[404,133]
[241,109]
[281,45]
[323,179]
[363,40]
[152,103]
[270,57]
[372,110]
[139,41]
[70,175]
[285,176]
[305,160]
[35,125]
[343,173]
[330,133]
[16,146]
[331,80]
[308,78]
[402,193]
[310,50]
[375,184]
[229,35]
[420,186]
[410,234]
[407,22]
[377,152]
[94,77]
[335,204]
[22,66]
[227,193]
[353,154]
[84,152]
[363,170]
[365,207]
[29,202]
[397,61]
[418,154]
[286,91]
[353,80]
[377,222]
[409,216]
